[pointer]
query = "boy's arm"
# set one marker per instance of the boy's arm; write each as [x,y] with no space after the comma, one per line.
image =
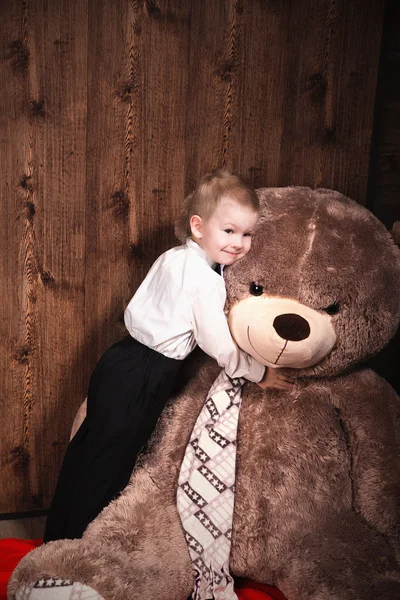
[211,332]
[275,378]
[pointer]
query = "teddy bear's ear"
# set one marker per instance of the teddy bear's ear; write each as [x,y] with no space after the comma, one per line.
[396,232]
[182,225]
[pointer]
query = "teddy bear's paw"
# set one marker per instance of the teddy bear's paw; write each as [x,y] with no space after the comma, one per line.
[57,589]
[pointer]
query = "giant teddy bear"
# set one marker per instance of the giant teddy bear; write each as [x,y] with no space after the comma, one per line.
[317,506]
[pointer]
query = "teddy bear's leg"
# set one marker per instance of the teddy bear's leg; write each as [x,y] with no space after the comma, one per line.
[56,589]
[134,550]
[342,559]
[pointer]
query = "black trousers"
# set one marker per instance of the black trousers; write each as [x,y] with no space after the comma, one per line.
[128,390]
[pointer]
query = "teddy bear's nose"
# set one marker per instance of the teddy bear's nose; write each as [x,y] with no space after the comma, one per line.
[291,327]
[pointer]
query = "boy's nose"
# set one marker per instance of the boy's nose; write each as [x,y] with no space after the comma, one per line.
[237,243]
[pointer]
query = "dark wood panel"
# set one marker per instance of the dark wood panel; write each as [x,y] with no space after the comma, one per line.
[46,132]
[261,60]
[384,180]
[15,236]
[384,183]
[278,88]
[208,110]
[109,144]
[136,125]
[157,165]
[59,30]
[330,84]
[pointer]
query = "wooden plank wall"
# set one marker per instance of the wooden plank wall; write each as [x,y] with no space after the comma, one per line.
[383,193]
[43,236]
[110,110]
[384,174]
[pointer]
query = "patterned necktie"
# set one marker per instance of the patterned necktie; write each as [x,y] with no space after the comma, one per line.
[206,490]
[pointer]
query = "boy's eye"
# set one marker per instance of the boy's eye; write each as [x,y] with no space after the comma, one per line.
[247,235]
[228,230]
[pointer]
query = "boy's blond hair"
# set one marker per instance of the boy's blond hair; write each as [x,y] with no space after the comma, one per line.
[208,194]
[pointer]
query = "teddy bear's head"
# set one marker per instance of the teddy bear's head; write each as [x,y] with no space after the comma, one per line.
[319,290]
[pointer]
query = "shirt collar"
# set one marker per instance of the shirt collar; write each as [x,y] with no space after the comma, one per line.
[194,247]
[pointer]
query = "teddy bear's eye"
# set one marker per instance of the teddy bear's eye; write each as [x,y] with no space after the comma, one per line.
[333,308]
[256,289]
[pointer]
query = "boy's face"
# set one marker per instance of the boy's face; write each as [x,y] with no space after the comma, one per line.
[226,235]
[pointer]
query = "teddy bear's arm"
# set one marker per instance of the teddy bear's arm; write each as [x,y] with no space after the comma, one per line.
[370,413]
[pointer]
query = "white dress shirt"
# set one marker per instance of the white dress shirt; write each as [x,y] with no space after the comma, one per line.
[180,304]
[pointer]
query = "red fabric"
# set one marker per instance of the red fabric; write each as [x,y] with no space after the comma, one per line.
[12,550]
[250,590]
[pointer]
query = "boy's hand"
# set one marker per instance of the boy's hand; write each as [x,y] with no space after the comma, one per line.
[274,378]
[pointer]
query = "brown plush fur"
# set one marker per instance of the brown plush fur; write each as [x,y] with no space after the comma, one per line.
[317,508]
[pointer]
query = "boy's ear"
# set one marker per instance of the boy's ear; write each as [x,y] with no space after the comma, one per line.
[196,226]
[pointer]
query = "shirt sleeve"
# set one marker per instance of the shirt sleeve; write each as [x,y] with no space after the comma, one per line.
[211,331]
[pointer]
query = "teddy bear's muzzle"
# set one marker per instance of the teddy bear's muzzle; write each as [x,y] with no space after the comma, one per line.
[281,332]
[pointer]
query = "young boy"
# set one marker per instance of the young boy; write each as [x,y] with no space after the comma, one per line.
[179,305]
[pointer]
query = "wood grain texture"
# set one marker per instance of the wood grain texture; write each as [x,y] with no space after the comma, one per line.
[279,87]
[384,174]
[109,141]
[330,85]
[137,94]
[157,163]
[208,109]
[45,79]
[16,214]
[384,181]
[110,111]
[60,32]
